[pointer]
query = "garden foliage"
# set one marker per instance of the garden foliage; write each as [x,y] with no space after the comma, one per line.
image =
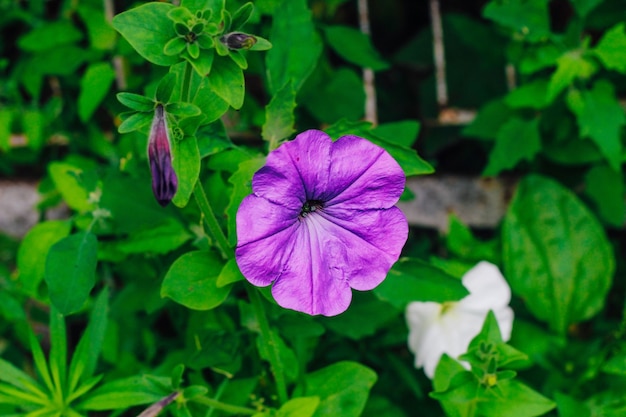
[166,128]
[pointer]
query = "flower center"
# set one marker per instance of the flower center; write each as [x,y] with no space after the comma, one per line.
[310,206]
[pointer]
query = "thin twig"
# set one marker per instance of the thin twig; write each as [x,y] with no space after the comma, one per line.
[439,55]
[371,113]
[511,81]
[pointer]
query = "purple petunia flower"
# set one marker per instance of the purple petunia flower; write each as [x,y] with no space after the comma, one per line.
[321,220]
[164,181]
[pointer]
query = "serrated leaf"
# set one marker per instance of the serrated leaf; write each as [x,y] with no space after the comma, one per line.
[226,80]
[601,117]
[570,66]
[531,95]
[71,271]
[94,86]
[527,18]
[612,48]
[192,281]
[556,254]
[292,25]
[517,140]
[355,47]
[147,28]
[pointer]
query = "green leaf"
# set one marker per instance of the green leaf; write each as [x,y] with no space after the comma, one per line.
[182,109]
[135,122]
[226,80]
[160,239]
[10,308]
[192,281]
[342,387]
[241,16]
[164,89]
[605,187]
[147,28]
[570,407]
[204,62]
[539,56]
[242,186]
[490,118]
[570,66]
[341,97]
[68,180]
[187,167]
[601,118]
[531,95]
[71,271]
[175,46]
[517,140]
[239,59]
[94,87]
[514,399]
[85,356]
[229,274]
[212,105]
[529,19]
[355,47]
[414,280]
[20,379]
[299,407]
[31,257]
[461,242]
[403,133]
[556,255]
[125,393]
[279,116]
[58,351]
[6,119]
[261,44]
[32,123]
[611,50]
[101,35]
[292,25]
[136,102]
[50,35]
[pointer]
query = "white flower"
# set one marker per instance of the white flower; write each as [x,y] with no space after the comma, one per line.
[435,329]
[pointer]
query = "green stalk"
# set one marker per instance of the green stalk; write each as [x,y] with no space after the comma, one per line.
[216,232]
[229,408]
[272,346]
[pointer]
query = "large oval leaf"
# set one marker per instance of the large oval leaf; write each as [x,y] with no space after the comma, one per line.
[556,254]
[192,281]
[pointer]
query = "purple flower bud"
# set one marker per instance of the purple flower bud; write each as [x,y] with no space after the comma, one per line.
[238,40]
[164,181]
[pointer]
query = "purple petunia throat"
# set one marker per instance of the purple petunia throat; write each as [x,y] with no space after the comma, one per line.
[322,221]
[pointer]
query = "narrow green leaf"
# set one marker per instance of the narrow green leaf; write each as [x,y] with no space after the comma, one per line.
[31,257]
[125,393]
[226,80]
[414,280]
[355,47]
[556,254]
[147,28]
[135,121]
[187,167]
[279,116]
[40,361]
[229,274]
[19,379]
[71,271]
[85,356]
[58,352]
[22,397]
[182,109]
[94,86]
[292,25]
[241,16]
[192,281]
[136,102]
[164,89]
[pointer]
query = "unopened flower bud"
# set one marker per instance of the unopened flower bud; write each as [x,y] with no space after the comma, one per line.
[164,181]
[238,40]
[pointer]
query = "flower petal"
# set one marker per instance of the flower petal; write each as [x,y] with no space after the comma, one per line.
[295,172]
[265,239]
[363,175]
[315,279]
[371,241]
[488,288]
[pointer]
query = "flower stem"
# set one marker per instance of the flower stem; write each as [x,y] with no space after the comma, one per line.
[269,341]
[229,408]
[215,231]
